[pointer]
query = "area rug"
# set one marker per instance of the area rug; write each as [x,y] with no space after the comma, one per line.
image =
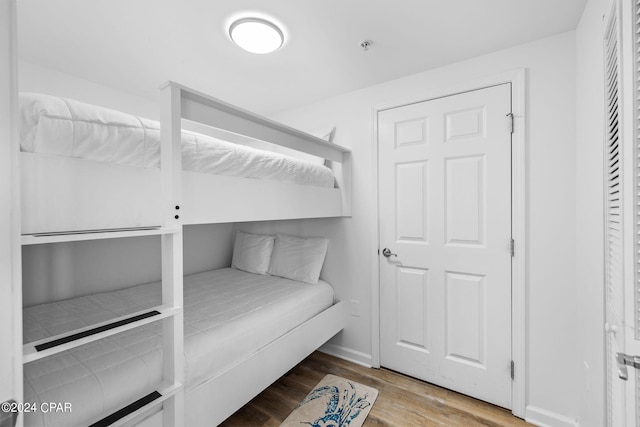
[334,402]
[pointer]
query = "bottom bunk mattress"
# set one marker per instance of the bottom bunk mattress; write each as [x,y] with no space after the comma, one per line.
[228,315]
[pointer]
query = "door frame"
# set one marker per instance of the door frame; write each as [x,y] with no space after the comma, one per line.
[517,79]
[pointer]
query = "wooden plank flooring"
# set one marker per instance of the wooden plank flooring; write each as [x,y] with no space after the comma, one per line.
[402,401]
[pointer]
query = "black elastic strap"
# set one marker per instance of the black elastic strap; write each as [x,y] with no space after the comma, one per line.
[94,331]
[108,420]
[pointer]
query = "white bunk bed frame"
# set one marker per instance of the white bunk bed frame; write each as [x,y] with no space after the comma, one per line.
[218,398]
[108,195]
[105,203]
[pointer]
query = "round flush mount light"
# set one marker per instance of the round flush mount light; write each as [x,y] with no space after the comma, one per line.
[256,35]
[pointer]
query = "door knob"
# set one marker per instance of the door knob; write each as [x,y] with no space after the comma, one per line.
[387,253]
[625,360]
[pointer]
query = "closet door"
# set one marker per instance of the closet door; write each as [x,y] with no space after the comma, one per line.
[631,43]
[10,277]
[622,212]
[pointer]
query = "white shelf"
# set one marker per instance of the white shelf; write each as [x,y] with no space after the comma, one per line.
[76,236]
[30,353]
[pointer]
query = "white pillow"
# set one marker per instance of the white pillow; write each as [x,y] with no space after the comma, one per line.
[252,252]
[298,258]
[324,133]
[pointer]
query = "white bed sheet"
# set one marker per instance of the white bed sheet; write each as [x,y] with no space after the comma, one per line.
[63,127]
[229,314]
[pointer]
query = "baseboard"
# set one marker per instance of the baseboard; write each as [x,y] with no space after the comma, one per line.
[347,354]
[544,418]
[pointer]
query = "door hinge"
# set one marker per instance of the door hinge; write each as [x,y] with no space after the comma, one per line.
[510,124]
[512,247]
[513,370]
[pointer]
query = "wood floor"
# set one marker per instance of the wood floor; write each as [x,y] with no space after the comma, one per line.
[402,401]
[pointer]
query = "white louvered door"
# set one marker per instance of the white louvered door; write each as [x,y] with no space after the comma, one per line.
[614,265]
[622,208]
[631,33]
[614,271]
[632,294]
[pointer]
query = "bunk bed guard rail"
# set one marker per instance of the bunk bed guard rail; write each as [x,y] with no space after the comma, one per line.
[272,199]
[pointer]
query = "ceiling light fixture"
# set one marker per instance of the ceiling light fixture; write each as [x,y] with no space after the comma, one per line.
[256,35]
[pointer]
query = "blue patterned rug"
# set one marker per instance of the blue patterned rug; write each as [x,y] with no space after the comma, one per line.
[334,402]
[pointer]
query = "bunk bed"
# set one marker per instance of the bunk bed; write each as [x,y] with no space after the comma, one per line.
[70,199]
[229,314]
[108,195]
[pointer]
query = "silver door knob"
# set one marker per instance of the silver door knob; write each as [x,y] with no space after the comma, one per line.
[387,253]
[625,360]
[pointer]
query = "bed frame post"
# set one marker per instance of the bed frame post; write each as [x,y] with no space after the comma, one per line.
[11,385]
[172,274]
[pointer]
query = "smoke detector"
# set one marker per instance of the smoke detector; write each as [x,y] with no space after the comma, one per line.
[366,44]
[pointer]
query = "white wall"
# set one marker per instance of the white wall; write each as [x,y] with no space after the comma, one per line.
[35,78]
[551,143]
[65,270]
[58,271]
[589,218]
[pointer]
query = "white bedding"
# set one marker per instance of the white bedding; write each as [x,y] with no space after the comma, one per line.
[62,127]
[229,314]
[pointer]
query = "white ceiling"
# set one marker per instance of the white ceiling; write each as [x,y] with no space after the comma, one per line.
[135,45]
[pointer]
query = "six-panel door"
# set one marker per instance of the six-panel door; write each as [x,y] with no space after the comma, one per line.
[445,210]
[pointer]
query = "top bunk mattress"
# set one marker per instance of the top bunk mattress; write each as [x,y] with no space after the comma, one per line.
[228,315]
[63,127]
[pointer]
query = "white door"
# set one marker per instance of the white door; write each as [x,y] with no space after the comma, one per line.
[445,215]
[622,213]
[10,295]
